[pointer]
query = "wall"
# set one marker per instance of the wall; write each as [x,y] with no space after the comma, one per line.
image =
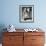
[9,13]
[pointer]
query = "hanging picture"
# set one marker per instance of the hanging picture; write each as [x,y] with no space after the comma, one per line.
[26,13]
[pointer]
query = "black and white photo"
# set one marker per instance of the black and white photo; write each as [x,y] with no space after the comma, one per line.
[26,13]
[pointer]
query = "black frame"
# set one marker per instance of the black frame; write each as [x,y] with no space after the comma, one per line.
[26,13]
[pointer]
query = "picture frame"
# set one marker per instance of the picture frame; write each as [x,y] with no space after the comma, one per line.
[26,13]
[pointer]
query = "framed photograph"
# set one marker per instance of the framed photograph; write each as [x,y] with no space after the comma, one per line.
[26,13]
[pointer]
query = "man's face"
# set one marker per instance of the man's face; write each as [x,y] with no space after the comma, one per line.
[28,9]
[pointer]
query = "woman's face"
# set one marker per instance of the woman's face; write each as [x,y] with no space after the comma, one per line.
[24,9]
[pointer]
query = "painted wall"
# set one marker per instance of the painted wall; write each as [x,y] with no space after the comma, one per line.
[10,13]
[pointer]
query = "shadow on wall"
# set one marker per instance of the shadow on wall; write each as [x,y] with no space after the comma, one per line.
[2,26]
